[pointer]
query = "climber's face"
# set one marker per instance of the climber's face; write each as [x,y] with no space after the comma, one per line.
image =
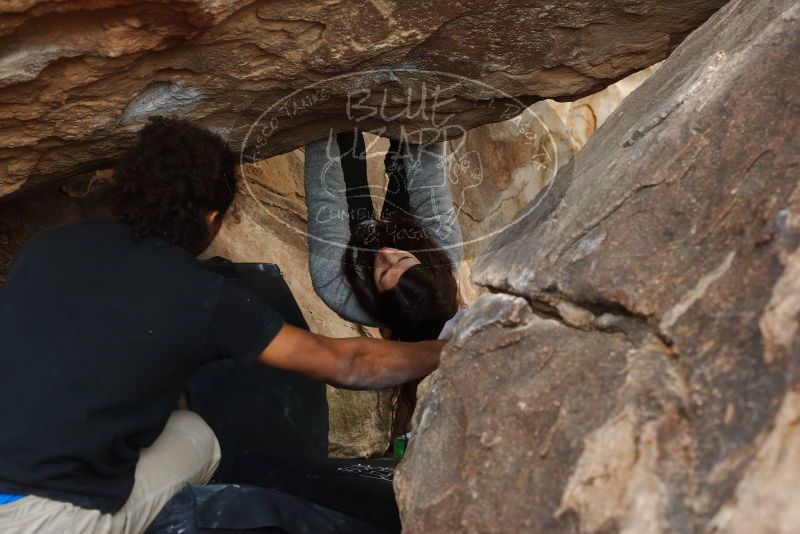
[390,264]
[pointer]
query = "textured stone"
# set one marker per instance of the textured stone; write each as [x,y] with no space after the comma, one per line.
[497,169]
[583,117]
[78,78]
[670,405]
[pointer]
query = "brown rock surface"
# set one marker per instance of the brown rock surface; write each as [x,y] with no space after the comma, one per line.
[78,78]
[497,169]
[583,117]
[637,368]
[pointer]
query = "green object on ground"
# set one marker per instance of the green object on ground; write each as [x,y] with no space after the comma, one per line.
[399,446]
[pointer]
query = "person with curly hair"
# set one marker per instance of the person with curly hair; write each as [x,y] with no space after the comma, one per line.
[103,322]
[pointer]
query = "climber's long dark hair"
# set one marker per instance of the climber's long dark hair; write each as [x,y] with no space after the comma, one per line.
[425,296]
[163,183]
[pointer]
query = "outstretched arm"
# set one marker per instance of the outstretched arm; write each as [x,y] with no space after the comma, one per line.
[430,198]
[329,230]
[352,363]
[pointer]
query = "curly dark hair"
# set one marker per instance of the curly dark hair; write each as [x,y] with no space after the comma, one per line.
[174,172]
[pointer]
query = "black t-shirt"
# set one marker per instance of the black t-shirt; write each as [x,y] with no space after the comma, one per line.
[98,336]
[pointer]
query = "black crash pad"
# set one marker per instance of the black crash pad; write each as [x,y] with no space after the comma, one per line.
[258,407]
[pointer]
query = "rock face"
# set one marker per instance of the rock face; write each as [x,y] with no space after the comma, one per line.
[497,169]
[78,78]
[583,117]
[637,368]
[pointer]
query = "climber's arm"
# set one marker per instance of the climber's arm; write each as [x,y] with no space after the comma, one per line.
[430,198]
[353,363]
[329,229]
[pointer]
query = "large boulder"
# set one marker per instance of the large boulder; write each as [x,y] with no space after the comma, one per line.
[78,78]
[637,367]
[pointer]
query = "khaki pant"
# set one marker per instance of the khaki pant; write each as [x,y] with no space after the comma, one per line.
[186,452]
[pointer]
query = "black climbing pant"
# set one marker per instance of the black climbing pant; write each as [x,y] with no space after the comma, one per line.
[352,150]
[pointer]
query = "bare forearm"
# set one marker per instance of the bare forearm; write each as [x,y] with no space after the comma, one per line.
[353,363]
[378,364]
